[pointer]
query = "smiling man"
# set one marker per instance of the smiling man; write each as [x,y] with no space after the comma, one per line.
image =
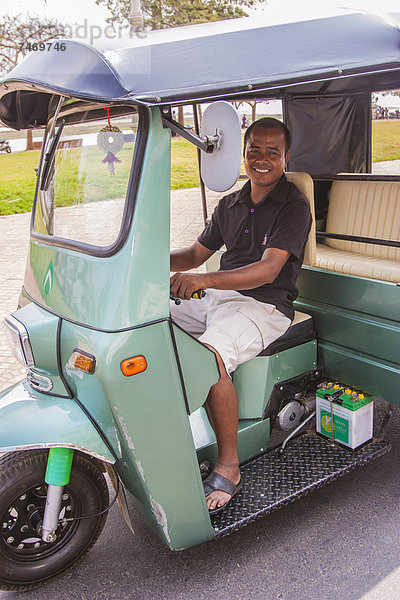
[249,301]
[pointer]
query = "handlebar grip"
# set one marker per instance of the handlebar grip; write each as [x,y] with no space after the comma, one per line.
[198,294]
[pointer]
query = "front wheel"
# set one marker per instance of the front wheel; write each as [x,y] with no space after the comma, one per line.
[25,559]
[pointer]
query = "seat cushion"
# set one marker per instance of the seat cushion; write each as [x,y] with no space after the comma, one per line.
[300,331]
[359,265]
[365,208]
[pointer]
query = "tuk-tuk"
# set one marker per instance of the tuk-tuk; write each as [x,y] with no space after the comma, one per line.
[113,385]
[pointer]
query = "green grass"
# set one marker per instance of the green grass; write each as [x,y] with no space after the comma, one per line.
[184,167]
[17,181]
[385,140]
[81,173]
[18,178]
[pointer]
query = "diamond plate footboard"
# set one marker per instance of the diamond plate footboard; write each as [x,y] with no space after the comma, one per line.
[274,480]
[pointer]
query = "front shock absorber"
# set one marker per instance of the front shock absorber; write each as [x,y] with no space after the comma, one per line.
[58,472]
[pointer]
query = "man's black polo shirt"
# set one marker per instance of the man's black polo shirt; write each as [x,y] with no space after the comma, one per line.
[281,220]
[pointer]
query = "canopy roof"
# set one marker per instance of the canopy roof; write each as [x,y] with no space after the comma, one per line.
[337,54]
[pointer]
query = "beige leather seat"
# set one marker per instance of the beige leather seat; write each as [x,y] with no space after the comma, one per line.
[304,183]
[365,208]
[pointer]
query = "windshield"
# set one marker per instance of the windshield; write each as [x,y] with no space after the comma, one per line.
[84,180]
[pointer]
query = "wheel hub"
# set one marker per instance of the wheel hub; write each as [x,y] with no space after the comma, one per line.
[21,523]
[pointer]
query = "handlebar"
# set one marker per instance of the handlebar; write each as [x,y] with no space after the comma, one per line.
[197,295]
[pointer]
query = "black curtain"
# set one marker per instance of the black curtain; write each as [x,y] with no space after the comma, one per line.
[331,134]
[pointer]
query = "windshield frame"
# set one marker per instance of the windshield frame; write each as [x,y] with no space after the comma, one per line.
[130,198]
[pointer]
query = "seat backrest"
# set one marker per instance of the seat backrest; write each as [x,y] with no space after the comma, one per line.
[365,208]
[304,183]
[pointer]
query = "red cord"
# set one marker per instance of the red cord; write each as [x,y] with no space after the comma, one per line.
[107,108]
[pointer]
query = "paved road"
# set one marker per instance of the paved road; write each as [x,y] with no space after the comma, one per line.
[340,543]
[14,238]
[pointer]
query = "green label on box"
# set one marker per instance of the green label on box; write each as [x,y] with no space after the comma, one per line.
[341,426]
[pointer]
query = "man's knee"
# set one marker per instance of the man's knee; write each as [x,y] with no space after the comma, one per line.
[221,365]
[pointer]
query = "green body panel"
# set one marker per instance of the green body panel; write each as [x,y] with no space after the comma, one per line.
[253,438]
[88,387]
[358,325]
[132,286]
[255,379]
[58,470]
[348,328]
[376,377]
[159,464]
[46,422]
[145,419]
[199,368]
[42,327]
[368,296]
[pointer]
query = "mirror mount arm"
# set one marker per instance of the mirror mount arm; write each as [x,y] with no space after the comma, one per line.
[205,143]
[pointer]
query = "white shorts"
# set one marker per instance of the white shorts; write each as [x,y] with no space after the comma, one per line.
[236,326]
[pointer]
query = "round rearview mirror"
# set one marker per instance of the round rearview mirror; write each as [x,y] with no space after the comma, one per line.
[220,169]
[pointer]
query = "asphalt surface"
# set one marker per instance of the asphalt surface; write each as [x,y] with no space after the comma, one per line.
[339,543]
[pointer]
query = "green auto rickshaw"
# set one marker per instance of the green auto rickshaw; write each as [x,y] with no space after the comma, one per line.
[114,387]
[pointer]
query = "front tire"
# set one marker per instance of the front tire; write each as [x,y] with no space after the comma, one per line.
[25,560]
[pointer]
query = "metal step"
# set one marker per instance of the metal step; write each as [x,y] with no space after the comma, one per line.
[274,479]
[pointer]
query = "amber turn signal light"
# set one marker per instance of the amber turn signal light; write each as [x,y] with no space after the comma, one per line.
[134,365]
[82,361]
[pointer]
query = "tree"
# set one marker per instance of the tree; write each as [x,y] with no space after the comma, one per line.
[252,103]
[17,34]
[159,14]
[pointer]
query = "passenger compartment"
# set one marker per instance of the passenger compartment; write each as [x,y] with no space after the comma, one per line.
[364,206]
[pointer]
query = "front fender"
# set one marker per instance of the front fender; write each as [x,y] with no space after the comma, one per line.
[31,421]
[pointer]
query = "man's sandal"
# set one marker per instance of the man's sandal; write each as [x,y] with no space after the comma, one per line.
[215,482]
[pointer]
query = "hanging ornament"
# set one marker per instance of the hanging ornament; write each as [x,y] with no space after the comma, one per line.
[110,159]
[110,139]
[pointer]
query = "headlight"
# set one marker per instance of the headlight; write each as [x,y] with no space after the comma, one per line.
[18,339]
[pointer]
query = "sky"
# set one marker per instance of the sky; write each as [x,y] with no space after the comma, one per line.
[78,10]
[67,12]
[88,20]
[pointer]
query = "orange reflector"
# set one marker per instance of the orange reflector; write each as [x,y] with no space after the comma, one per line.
[134,365]
[82,361]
